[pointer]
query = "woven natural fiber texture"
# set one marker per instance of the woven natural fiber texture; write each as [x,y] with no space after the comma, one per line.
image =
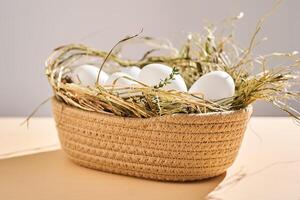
[177,147]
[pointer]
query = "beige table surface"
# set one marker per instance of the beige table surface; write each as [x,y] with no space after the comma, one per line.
[267,167]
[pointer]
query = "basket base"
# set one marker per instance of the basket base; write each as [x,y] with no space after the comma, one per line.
[143,175]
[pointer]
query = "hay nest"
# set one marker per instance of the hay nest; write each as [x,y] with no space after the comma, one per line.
[255,78]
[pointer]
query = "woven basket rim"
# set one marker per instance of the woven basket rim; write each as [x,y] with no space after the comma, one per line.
[248,109]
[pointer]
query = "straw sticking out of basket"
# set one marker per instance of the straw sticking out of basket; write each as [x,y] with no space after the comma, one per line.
[199,55]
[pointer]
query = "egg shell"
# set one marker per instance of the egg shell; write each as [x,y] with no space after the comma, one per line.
[131,71]
[120,81]
[87,75]
[152,74]
[214,85]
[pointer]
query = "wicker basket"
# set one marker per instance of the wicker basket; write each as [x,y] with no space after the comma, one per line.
[172,148]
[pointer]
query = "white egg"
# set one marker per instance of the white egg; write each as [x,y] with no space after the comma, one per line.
[152,74]
[132,71]
[87,75]
[214,85]
[121,80]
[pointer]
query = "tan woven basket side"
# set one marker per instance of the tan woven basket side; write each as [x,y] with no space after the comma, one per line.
[174,148]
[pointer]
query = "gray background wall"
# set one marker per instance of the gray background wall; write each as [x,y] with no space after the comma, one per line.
[30,29]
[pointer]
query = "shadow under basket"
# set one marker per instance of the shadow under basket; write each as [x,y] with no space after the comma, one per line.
[181,147]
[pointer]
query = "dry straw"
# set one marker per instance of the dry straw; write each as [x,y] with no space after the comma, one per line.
[254,76]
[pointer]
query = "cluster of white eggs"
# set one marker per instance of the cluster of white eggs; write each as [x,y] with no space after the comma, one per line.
[213,85]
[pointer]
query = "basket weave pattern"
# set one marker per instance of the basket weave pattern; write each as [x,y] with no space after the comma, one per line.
[173,148]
